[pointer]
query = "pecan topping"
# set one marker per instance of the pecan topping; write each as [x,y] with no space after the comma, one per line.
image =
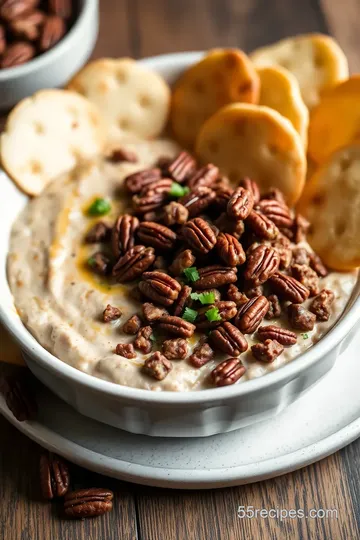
[175,349]
[215,276]
[176,326]
[159,287]
[157,366]
[240,204]
[11,9]
[111,313]
[136,182]
[131,265]
[250,315]
[197,200]
[100,232]
[225,224]
[252,292]
[52,31]
[151,199]
[300,256]
[19,398]
[262,263]
[282,246]
[321,305]
[201,355]
[62,8]
[251,186]
[160,263]
[152,313]
[317,265]
[278,212]
[132,325]
[126,350]
[228,339]
[156,235]
[274,307]
[185,259]
[236,296]
[54,476]
[301,227]
[175,214]
[182,301]
[200,235]
[289,288]
[119,155]
[307,277]
[267,351]
[275,194]
[28,26]
[99,263]
[86,503]
[17,54]
[262,226]
[300,318]
[230,250]
[226,310]
[143,342]
[222,197]
[281,335]
[182,167]
[123,234]
[2,39]
[205,176]
[228,372]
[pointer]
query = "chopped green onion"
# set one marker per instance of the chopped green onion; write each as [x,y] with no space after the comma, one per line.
[99,207]
[213,315]
[305,336]
[191,273]
[177,190]
[204,298]
[153,338]
[91,261]
[189,315]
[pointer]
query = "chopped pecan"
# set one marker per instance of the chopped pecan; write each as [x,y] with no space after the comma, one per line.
[228,372]
[274,307]
[182,167]
[307,277]
[225,224]
[54,476]
[201,355]
[215,276]
[143,342]
[126,350]
[230,250]
[275,194]
[175,349]
[184,259]
[52,31]
[226,310]
[136,182]
[175,214]
[135,294]
[251,186]
[16,54]
[200,235]
[198,200]
[99,263]
[321,305]
[100,232]
[152,200]
[300,228]
[250,315]
[262,226]
[28,26]
[228,339]
[159,287]
[119,155]
[183,300]
[317,265]
[157,366]
[86,503]
[240,204]
[156,235]
[123,234]
[152,313]
[131,265]
[300,256]
[282,246]
[19,397]
[289,288]
[277,333]
[205,176]
[252,292]
[176,326]
[132,325]
[111,313]
[267,351]
[261,264]
[160,263]
[300,318]
[236,296]
[278,212]
[222,197]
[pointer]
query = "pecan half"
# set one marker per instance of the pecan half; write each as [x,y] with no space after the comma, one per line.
[100,232]
[282,335]
[86,503]
[54,476]
[200,235]
[150,201]
[278,212]
[321,305]
[262,226]
[175,214]
[62,8]
[111,313]
[53,30]
[131,265]
[275,194]
[2,39]
[136,182]
[152,313]
[198,200]
[143,342]
[161,263]
[202,354]
[282,245]
[126,350]
[175,349]
[230,250]
[11,9]
[159,287]
[261,264]
[156,235]
[274,307]
[19,398]
[225,224]
[132,325]
[250,315]
[289,288]
[228,372]
[182,167]
[317,265]
[226,309]
[119,155]
[99,263]
[307,276]
[228,339]
[184,259]
[157,366]
[123,234]
[236,296]
[183,300]
[176,326]
[300,256]
[205,176]
[212,277]
[240,204]
[17,54]
[251,186]
[267,351]
[252,292]
[300,228]
[28,26]
[300,318]
[222,197]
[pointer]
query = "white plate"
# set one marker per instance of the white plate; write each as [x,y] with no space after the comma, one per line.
[324,420]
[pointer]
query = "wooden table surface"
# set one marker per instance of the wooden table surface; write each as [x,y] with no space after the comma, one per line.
[147,27]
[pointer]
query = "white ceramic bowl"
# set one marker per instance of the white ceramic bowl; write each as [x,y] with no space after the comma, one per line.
[169,414]
[55,67]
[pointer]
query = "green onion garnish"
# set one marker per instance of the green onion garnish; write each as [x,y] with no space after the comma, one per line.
[305,336]
[99,207]
[189,315]
[191,273]
[177,190]
[91,261]
[213,315]
[204,298]
[153,338]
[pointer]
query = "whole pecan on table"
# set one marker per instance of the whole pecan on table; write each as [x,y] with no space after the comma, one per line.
[159,287]
[87,503]
[143,341]
[198,200]
[250,315]
[54,476]
[123,234]
[137,181]
[241,204]
[184,259]
[175,214]
[52,31]
[274,307]
[289,288]
[251,186]
[225,309]
[215,276]
[300,318]
[202,354]
[307,276]
[204,177]
[17,54]
[126,350]
[200,235]
[175,349]
[28,26]
[156,235]
[132,325]
[228,372]
[153,313]
[182,167]
[111,313]
[321,305]
[19,397]
[281,335]
[262,226]
[183,300]
[100,232]
[176,326]
[261,264]
[157,366]
[236,296]
[132,265]
[230,250]
[228,339]
[267,351]
[278,212]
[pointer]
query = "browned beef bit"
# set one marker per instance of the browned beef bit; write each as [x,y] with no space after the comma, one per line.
[321,305]
[184,259]
[300,256]
[152,313]
[307,276]
[236,296]
[143,342]
[274,307]
[267,351]
[202,354]
[300,227]
[282,246]
[100,232]
[111,313]
[317,265]
[132,325]
[175,349]
[157,366]
[99,263]
[119,155]
[126,350]
[300,318]
[253,292]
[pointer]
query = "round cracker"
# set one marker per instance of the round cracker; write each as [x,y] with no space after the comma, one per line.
[255,141]
[133,100]
[316,60]
[280,91]
[224,76]
[46,135]
[331,202]
[335,122]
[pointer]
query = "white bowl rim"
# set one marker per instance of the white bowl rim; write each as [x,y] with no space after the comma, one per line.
[287,372]
[50,56]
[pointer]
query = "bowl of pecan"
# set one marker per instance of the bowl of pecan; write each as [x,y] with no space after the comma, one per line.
[43,44]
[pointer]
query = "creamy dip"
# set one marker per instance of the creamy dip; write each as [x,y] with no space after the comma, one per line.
[61,302]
